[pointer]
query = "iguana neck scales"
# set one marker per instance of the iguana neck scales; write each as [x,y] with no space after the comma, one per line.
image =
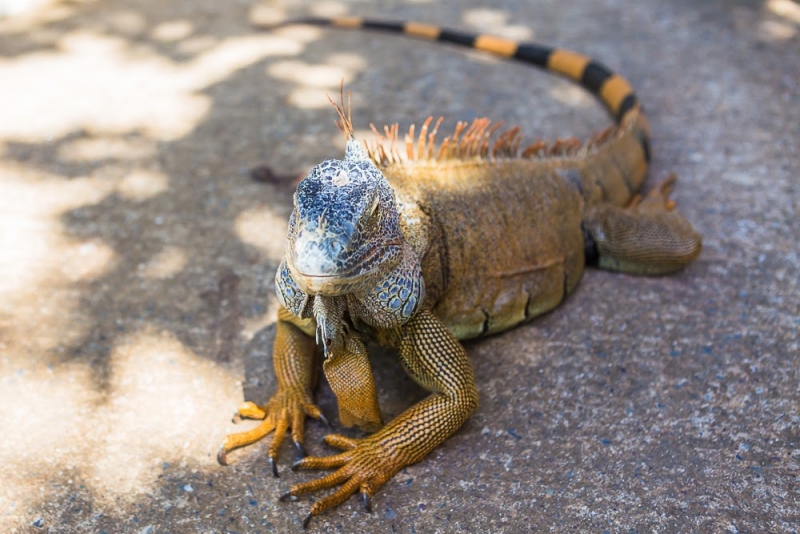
[418,245]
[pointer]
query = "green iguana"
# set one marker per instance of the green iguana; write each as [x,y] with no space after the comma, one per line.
[420,247]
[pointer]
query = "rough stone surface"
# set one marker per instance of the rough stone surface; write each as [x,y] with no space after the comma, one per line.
[137,255]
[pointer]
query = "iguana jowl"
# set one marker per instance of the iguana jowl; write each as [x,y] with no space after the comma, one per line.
[448,241]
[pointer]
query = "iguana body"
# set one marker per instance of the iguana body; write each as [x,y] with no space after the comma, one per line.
[449,241]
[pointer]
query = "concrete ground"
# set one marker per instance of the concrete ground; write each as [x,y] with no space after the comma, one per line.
[137,256]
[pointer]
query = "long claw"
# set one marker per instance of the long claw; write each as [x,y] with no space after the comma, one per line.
[366,501]
[274,467]
[222,455]
[301,451]
[307,520]
[287,497]
[325,420]
[236,419]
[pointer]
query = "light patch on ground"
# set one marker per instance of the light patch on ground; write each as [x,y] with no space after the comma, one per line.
[253,325]
[128,21]
[787,9]
[142,184]
[165,264]
[495,21]
[571,94]
[166,405]
[16,15]
[44,420]
[92,149]
[307,98]
[173,30]
[31,231]
[310,75]
[262,13]
[314,83]
[112,91]
[329,8]
[196,45]
[264,230]
[776,30]
[303,34]
[87,260]
[15,7]
[352,62]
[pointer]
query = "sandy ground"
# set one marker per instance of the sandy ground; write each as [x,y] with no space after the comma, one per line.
[137,259]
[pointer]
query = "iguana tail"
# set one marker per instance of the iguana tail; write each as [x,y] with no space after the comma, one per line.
[610,88]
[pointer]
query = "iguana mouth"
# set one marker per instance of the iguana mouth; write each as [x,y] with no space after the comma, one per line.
[333,284]
[329,285]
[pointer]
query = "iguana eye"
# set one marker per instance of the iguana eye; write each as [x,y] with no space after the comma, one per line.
[372,210]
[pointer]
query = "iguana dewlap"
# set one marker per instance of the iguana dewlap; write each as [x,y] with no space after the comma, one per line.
[416,243]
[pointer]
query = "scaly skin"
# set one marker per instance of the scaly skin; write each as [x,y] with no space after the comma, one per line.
[449,241]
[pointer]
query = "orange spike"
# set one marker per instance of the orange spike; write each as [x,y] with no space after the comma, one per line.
[345,122]
[410,143]
[432,137]
[534,149]
[423,135]
[476,146]
[460,125]
[375,130]
[516,140]
[487,138]
[466,141]
[444,149]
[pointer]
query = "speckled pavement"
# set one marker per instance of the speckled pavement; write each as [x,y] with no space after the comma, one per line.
[137,258]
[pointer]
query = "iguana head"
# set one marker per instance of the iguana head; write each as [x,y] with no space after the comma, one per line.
[344,230]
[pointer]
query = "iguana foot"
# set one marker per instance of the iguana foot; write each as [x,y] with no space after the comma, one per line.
[365,466]
[657,199]
[286,409]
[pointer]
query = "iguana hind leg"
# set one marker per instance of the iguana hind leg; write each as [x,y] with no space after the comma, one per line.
[438,362]
[293,358]
[647,237]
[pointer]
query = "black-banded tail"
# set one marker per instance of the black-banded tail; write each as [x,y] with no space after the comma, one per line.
[610,88]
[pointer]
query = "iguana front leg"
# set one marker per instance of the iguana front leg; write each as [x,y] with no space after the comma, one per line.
[293,358]
[437,361]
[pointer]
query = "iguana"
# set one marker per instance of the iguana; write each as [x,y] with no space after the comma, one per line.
[419,246]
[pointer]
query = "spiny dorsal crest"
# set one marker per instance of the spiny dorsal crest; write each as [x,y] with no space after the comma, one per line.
[476,141]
